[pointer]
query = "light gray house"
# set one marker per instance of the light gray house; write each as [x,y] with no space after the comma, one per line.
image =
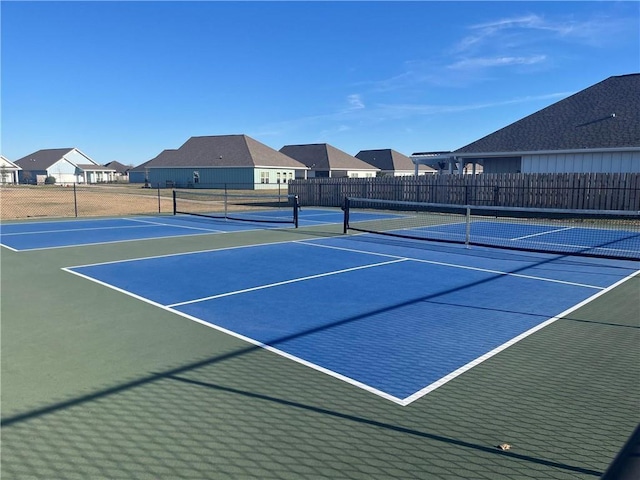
[392,163]
[324,160]
[594,130]
[8,171]
[66,165]
[232,161]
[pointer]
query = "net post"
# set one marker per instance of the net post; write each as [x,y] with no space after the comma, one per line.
[467,236]
[175,208]
[296,208]
[345,223]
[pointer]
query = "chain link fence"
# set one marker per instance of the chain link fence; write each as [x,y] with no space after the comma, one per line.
[42,201]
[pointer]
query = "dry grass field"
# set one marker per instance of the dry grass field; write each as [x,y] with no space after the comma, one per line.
[52,201]
[26,201]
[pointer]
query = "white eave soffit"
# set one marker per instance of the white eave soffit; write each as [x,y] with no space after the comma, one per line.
[544,152]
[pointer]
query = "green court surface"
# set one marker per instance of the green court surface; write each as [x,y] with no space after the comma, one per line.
[100,385]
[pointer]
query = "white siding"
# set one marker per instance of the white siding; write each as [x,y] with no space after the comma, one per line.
[78,158]
[607,162]
[270,178]
[64,171]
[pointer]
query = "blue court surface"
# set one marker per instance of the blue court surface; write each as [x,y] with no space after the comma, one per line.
[391,317]
[72,233]
[603,241]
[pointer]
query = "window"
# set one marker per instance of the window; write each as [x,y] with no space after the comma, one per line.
[264,177]
[196,177]
[278,177]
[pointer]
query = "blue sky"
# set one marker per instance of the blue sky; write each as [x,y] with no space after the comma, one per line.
[125,80]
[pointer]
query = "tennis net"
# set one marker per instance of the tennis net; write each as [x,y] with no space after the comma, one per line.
[594,233]
[258,208]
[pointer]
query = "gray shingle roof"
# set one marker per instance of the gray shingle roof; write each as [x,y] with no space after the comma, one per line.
[42,159]
[159,158]
[222,151]
[321,156]
[390,160]
[117,166]
[605,115]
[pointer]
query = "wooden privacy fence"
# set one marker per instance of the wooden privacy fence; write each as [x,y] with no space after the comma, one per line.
[592,191]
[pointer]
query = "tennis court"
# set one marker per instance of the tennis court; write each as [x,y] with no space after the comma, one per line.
[414,320]
[38,235]
[281,352]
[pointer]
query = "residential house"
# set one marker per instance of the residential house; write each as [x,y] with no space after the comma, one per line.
[121,171]
[66,165]
[220,161]
[324,160]
[8,171]
[594,130]
[392,163]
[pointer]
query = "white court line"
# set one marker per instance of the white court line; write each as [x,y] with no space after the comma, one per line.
[285,282]
[162,224]
[463,267]
[249,340]
[542,233]
[495,351]
[64,230]
[399,401]
[109,242]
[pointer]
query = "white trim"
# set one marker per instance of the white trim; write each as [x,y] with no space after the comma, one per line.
[286,282]
[504,346]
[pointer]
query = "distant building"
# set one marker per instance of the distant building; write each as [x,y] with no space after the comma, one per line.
[66,165]
[324,160]
[121,171]
[8,171]
[233,161]
[392,163]
[594,130]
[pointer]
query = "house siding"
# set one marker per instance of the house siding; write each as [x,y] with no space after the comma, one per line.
[275,176]
[222,177]
[136,177]
[78,158]
[208,177]
[502,165]
[605,162]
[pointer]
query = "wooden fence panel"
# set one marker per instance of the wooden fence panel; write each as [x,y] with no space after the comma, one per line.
[619,191]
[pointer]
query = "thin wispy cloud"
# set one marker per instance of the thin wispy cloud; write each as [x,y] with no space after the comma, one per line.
[409,110]
[355,102]
[532,28]
[342,120]
[489,31]
[516,45]
[519,42]
[500,61]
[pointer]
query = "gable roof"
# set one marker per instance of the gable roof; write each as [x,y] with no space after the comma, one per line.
[604,115]
[390,160]
[143,166]
[42,159]
[222,151]
[117,166]
[6,163]
[322,156]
